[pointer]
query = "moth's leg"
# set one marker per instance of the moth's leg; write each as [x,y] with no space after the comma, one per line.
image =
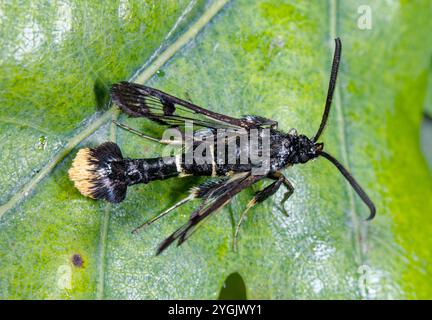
[140,134]
[260,196]
[162,214]
[261,121]
[287,184]
[203,191]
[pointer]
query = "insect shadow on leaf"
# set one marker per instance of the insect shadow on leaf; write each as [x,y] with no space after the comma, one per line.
[101,92]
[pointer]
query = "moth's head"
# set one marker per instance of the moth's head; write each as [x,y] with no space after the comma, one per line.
[99,173]
[302,148]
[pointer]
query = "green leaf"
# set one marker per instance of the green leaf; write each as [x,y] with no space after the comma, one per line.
[270,58]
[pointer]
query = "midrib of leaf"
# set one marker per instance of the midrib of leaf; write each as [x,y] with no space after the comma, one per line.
[105,217]
[142,77]
[73,142]
[104,225]
[156,53]
[358,236]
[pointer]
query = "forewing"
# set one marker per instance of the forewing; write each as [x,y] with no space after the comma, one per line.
[141,101]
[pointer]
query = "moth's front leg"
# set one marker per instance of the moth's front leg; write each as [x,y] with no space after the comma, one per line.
[287,184]
[260,196]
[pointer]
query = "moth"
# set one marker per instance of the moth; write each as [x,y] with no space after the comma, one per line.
[103,173]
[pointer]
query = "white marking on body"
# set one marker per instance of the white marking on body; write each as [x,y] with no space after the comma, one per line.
[183,174]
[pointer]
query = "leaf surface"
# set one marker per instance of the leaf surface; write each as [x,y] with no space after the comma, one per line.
[270,58]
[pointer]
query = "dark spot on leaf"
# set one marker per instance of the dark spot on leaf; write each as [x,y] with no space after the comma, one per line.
[233,288]
[101,91]
[77,260]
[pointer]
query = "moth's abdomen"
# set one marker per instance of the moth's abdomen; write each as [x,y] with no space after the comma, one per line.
[103,173]
[146,170]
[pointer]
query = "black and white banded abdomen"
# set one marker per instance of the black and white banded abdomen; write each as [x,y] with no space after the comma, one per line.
[160,168]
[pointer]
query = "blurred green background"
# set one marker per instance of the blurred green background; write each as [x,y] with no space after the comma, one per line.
[270,58]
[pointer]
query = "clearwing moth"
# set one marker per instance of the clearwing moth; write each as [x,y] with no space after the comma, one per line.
[103,172]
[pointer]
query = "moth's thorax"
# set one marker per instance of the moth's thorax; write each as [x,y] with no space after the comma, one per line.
[291,148]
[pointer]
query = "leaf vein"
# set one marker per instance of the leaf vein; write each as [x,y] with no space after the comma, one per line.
[358,236]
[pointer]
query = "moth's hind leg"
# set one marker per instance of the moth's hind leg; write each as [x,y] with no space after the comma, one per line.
[203,191]
[140,134]
[260,196]
[162,214]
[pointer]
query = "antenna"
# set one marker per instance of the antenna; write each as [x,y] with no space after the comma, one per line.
[331,88]
[353,183]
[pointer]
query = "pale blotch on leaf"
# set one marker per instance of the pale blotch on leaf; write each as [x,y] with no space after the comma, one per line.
[124,10]
[63,23]
[29,40]
[64,277]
